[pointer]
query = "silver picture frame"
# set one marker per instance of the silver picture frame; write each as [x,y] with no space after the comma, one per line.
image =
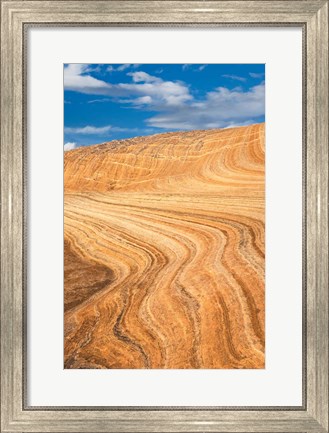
[16,18]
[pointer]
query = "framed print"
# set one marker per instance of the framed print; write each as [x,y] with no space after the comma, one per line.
[164,216]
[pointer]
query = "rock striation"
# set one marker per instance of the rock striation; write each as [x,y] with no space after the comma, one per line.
[164,243]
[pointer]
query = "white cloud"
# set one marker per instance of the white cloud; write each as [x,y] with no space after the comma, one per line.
[234,125]
[143,100]
[153,90]
[122,67]
[128,66]
[97,68]
[195,69]
[220,108]
[94,130]
[140,76]
[93,101]
[162,93]
[89,130]
[234,77]
[75,79]
[70,146]
[254,75]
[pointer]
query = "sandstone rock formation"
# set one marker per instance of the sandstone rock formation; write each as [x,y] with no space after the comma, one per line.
[164,251]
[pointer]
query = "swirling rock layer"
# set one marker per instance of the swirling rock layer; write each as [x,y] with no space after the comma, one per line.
[164,251]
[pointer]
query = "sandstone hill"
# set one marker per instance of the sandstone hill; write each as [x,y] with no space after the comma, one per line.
[164,251]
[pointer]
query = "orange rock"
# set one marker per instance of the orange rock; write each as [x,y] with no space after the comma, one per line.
[164,251]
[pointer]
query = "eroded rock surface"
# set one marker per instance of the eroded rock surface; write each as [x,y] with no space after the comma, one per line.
[164,251]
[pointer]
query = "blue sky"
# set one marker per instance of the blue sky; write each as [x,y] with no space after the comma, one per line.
[104,102]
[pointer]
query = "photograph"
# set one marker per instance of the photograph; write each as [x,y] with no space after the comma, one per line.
[164,216]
